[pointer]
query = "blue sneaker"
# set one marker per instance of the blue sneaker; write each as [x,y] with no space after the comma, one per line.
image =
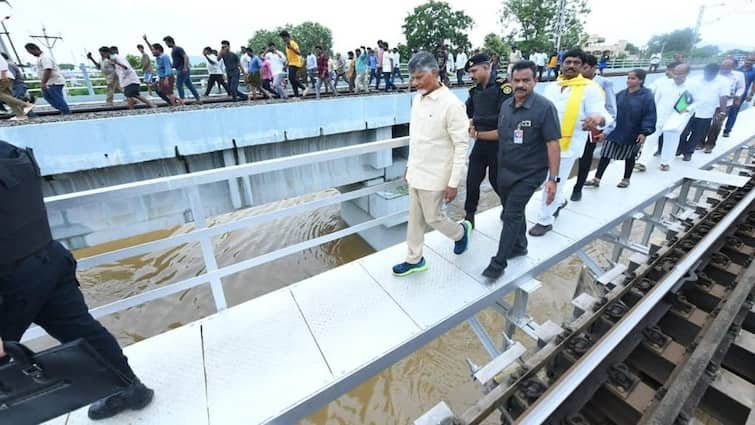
[405,269]
[461,245]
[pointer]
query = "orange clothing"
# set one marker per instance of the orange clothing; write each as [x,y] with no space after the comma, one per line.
[293,58]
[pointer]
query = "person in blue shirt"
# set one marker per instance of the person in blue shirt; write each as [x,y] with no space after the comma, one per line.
[749,71]
[372,63]
[165,79]
[635,120]
[253,76]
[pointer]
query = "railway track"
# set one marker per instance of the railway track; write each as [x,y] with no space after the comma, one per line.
[671,341]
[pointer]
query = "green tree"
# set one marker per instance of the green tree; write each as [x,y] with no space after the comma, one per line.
[677,41]
[632,49]
[706,51]
[532,24]
[134,61]
[494,45]
[434,23]
[307,34]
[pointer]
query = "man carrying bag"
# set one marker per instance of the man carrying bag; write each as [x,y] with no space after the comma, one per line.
[38,280]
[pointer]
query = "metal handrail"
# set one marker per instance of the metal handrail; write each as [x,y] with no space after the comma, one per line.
[202,234]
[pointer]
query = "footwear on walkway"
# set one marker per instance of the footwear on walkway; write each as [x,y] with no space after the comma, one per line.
[593,183]
[623,183]
[539,230]
[640,167]
[461,245]
[687,157]
[576,196]
[665,167]
[493,271]
[136,397]
[405,269]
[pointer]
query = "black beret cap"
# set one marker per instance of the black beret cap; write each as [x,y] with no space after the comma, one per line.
[476,60]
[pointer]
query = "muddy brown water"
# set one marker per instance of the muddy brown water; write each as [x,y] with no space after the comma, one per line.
[398,394]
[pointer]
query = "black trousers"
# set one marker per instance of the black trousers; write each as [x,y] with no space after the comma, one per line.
[584,165]
[516,195]
[219,80]
[713,131]
[293,78]
[694,134]
[43,289]
[628,167]
[481,162]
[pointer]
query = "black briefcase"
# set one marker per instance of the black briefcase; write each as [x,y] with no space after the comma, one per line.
[36,387]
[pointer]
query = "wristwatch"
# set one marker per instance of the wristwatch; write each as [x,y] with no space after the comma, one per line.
[555,179]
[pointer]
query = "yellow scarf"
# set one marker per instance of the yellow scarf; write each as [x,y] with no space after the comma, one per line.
[573,105]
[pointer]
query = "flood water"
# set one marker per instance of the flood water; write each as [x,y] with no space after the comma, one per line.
[397,395]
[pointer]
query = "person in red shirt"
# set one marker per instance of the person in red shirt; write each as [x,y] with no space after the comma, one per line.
[323,73]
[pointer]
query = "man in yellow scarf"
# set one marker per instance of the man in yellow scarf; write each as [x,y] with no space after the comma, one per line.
[581,108]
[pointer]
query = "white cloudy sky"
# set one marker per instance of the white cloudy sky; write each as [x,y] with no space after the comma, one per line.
[87,24]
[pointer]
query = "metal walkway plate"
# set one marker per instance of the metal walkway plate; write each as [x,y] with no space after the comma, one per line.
[260,358]
[379,320]
[430,296]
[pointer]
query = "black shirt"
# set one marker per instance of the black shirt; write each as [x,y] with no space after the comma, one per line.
[484,103]
[538,120]
[177,54]
[231,62]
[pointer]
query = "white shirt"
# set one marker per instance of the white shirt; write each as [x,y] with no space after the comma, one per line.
[245,59]
[127,75]
[396,60]
[655,59]
[461,60]
[276,62]
[515,56]
[311,61]
[4,67]
[593,103]
[540,59]
[216,68]
[707,95]
[666,92]
[44,62]
[438,141]
[387,57]
[736,85]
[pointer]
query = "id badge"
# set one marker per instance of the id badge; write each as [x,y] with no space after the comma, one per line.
[518,136]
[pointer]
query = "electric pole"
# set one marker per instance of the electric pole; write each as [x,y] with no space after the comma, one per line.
[48,40]
[560,24]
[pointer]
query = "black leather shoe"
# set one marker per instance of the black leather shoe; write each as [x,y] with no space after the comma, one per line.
[576,196]
[518,254]
[726,134]
[539,230]
[493,271]
[135,397]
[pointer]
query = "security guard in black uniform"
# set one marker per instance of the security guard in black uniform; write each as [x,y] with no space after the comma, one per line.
[38,279]
[483,107]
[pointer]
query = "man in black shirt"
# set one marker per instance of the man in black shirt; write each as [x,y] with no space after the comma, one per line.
[183,69]
[529,132]
[232,62]
[483,107]
[38,279]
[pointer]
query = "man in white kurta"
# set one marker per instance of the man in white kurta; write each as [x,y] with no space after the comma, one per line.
[438,141]
[670,122]
[577,119]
